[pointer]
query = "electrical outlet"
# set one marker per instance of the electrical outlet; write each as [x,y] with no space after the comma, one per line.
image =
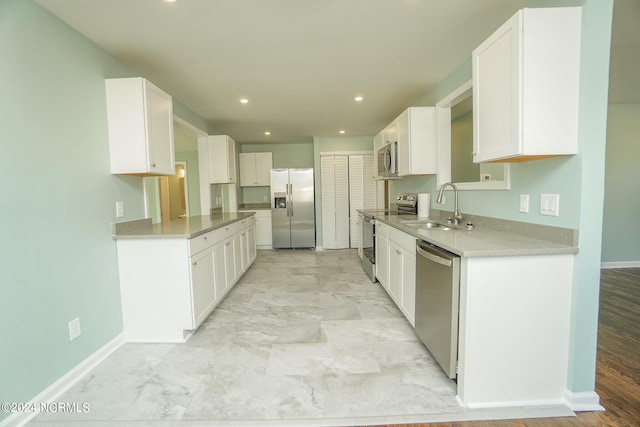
[74,329]
[265,198]
[119,209]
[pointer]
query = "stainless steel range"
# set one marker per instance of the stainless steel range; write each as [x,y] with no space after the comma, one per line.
[407,204]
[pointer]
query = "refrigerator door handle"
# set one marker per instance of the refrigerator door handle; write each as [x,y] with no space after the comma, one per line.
[288,200]
[291,199]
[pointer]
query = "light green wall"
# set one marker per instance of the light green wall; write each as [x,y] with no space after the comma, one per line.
[292,155]
[59,260]
[58,256]
[578,179]
[621,233]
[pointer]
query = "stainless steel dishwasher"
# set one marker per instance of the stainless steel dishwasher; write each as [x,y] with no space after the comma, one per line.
[437,295]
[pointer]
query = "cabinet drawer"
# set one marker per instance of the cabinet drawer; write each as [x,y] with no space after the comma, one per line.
[406,241]
[247,222]
[202,242]
[263,213]
[228,230]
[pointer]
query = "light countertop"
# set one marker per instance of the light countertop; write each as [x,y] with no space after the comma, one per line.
[179,228]
[487,240]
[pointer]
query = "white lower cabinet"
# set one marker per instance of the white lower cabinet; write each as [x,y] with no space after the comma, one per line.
[169,286]
[402,272]
[396,267]
[382,254]
[262,230]
[202,277]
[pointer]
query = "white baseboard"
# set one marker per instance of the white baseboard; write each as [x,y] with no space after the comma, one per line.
[64,384]
[513,404]
[583,401]
[622,264]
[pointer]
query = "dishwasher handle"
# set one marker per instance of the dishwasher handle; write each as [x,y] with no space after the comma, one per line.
[431,254]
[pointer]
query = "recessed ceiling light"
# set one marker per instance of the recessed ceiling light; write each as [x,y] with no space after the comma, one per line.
[342,131]
[358,98]
[267,133]
[244,101]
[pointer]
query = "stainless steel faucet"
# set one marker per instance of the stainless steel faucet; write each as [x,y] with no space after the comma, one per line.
[457,216]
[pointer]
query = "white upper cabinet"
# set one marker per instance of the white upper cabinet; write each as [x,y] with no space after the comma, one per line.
[525,87]
[390,133]
[222,159]
[140,125]
[417,141]
[255,169]
[378,141]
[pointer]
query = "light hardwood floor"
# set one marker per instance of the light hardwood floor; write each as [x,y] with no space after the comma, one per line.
[618,360]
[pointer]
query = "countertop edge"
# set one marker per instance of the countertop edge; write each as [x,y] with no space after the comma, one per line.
[143,229]
[543,247]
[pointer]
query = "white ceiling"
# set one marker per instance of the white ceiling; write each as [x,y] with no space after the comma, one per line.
[301,62]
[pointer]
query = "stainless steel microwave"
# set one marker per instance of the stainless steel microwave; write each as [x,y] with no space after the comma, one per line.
[388,161]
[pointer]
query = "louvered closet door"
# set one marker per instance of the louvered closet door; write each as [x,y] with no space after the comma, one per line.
[335,201]
[356,194]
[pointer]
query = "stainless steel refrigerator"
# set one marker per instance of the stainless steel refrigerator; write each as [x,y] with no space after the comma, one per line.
[292,208]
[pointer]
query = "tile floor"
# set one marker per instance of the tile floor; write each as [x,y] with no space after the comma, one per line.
[304,338]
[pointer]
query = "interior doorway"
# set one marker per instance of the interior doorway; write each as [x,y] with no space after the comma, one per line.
[174,203]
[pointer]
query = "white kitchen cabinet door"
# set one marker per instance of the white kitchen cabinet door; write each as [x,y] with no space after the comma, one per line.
[390,133]
[220,270]
[230,262]
[264,164]
[222,159]
[396,271]
[408,292]
[526,78]
[402,271]
[239,253]
[264,238]
[378,141]
[255,169]
[140,127]
[382,255]
[203,287]
[251,245]
[417,141]
[335,201]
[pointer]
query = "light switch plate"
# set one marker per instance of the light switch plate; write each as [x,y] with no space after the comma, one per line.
[524,203]
[550,204]
[74,329]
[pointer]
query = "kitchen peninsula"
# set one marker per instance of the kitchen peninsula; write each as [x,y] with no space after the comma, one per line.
[514,310]
[173,274]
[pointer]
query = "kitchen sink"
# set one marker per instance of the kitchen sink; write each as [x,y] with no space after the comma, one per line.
[429,224]
[424,223]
